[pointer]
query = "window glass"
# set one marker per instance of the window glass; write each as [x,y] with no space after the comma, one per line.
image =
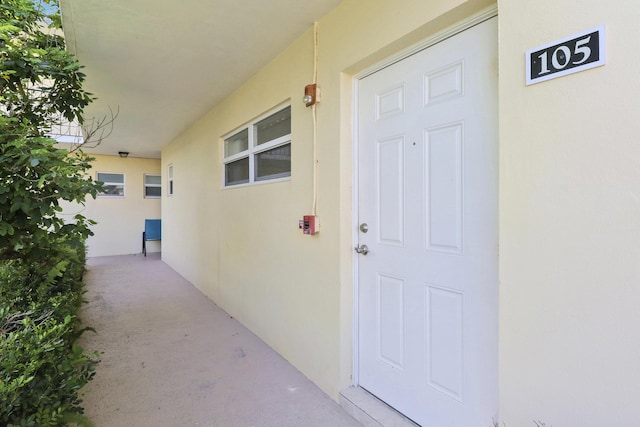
[152,192]
[237,172]
[237,143]
[153,179]
[170,174]
[274,163]
[111,177]
[274,126]
[260,151]
[113,184]
[112,190]
[152,186]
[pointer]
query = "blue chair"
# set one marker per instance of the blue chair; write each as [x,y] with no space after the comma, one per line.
[152,231]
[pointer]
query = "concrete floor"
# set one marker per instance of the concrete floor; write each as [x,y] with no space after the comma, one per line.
[173,358]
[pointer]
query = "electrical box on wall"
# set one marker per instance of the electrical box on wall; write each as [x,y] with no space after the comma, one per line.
[309,224]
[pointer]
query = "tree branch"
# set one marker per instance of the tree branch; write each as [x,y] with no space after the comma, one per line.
[97,131]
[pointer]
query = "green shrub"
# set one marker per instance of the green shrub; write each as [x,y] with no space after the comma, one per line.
[42,253]
[41,373]
[41,369]
[52,284]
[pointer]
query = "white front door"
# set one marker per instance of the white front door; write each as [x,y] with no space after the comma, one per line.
[428,194]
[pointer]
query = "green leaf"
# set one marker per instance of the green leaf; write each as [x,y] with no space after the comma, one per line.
[15,206]
[6,229]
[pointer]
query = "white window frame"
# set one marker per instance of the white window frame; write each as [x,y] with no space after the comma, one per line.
[123,184]
[170,180]
[146,185]
[254,149]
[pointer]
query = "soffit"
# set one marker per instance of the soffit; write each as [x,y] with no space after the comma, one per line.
[164,63]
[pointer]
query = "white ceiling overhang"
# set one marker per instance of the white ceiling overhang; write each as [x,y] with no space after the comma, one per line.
[162,64]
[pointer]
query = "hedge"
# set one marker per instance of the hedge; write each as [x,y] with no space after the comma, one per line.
[41,368]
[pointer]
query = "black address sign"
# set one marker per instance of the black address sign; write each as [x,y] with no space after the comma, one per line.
[559,58]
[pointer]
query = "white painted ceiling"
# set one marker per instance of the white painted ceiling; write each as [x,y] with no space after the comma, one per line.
[164,63]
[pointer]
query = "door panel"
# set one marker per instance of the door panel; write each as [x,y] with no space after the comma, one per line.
[427,188]
[390,191]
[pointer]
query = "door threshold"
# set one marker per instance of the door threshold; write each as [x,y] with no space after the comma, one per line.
[371,411]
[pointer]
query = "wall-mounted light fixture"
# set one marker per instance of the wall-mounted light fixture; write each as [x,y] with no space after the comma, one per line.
[123,154]
[310,95]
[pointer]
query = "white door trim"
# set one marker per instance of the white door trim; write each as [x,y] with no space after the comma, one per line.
[472,21]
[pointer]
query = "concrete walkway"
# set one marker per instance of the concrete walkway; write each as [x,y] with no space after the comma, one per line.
[173,358]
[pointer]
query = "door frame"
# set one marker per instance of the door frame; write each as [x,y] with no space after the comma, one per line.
[464,25]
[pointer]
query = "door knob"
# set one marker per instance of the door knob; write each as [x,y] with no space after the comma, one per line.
[364,227]
[362,249]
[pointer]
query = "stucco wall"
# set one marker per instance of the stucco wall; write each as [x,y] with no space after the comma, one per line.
[120,221]
[569,181]
[569,222]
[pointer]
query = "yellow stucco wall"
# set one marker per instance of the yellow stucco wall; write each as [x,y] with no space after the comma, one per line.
[569,221]
[120,221]
[568,207]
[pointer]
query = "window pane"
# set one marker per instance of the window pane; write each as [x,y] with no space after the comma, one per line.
[237,143]
[274,126]
[111,177]
[113,190]
[152,191]
[237,172]
[152,179]
[273,163]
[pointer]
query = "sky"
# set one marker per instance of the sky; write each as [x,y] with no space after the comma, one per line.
[48,8]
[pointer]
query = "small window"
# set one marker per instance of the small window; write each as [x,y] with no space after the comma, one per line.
[260,151]
[170,180]
[152,186]
[113,184]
